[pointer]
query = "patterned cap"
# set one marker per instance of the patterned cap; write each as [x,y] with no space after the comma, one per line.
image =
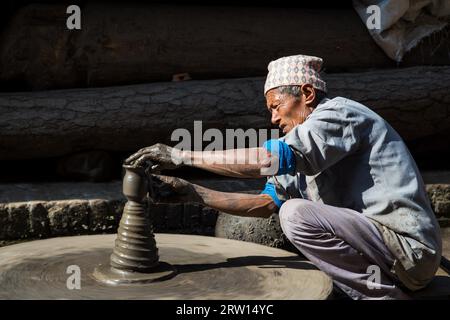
[295,70]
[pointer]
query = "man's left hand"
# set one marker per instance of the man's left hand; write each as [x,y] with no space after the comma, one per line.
[165,189]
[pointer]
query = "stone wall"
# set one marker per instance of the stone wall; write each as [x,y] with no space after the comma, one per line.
[439,195]
[44,219]
[42,210]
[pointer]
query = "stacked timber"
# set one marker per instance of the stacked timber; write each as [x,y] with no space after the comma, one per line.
[127,43]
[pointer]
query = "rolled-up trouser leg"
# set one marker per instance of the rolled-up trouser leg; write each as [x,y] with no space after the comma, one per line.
[344,244]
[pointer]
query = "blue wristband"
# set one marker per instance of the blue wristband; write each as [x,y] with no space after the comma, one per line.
[270,190]
[285,154]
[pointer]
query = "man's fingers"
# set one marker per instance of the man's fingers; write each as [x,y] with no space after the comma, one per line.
[142,159]
[162,186]
[134,156]
[167,189]
[138,154]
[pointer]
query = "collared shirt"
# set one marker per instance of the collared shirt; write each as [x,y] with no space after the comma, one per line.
[351,157]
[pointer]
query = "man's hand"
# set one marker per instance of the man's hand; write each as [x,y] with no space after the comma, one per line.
[160,155]
[165,189]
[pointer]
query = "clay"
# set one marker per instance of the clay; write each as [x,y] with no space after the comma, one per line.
[135,257]
[135,248]
[109,275]
[134,184]
[207,268]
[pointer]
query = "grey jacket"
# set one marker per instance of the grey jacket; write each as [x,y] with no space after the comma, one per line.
[352,158]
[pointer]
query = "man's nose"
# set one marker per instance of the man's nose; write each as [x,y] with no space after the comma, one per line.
[275,118]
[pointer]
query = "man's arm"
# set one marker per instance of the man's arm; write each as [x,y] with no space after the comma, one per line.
[238,204]
[240,163]
[175,190]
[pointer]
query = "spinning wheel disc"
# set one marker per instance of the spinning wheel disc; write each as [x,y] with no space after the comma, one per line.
[206,268]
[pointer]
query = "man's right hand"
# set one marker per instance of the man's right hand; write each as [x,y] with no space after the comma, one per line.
[161,155]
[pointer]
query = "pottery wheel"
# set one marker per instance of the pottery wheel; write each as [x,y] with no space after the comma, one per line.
[206,268]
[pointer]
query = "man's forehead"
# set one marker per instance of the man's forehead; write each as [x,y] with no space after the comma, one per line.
[273,96]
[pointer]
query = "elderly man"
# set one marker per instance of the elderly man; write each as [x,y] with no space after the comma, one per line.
[348,192]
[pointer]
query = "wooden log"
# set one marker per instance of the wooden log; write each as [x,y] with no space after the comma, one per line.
[139,43]
[416,101]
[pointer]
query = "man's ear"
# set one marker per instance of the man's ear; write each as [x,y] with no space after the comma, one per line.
[310,94]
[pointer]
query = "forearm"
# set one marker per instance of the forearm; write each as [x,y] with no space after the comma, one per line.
[239,204]
[240,163]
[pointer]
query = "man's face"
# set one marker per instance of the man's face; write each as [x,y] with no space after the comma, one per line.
[287,111]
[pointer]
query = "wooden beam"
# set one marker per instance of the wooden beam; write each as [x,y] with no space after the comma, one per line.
[415,101]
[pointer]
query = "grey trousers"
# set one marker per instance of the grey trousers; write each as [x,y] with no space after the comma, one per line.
[344,244]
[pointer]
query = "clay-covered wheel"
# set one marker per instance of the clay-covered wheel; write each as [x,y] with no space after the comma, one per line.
[207,268]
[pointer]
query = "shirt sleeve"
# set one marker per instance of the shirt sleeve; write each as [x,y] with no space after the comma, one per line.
[286,157]
[327,136]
